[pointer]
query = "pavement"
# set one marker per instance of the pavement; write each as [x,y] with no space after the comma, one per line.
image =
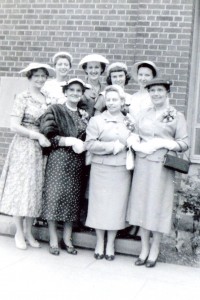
[36,274]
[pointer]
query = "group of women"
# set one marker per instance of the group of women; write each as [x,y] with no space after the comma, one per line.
[56,121]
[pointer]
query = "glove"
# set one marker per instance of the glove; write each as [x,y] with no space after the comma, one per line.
[43,141]
[69,141]
[132,140]
[78,146]
[118,147]
[171,145]
[146,148]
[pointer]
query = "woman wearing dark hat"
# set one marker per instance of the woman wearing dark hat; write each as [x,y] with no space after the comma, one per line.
[94,66]
[106,140]
[117,73]
[142,73]
[161,128]
[62,62]
[22,177]
[65,125]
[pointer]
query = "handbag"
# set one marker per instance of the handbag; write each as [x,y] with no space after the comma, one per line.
[129,159]
[176,163]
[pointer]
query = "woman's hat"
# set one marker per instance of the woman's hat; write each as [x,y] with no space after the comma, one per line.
[93,57]
[137,64]
[63,54]
[34,66]
[158,81]
[116,66]
[76,80]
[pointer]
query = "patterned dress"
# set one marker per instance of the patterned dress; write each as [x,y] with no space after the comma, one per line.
[63,188]
[22,176]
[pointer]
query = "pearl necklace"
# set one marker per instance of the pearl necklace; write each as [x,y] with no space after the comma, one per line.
[73,109]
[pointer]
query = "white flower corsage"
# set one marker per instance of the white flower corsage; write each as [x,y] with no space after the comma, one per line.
[84,115]
[169,115]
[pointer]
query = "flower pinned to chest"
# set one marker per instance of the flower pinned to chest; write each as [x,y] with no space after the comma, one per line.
[130,122]
[84,115]
[168,115]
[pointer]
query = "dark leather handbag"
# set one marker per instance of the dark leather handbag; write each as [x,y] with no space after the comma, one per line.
[176,163]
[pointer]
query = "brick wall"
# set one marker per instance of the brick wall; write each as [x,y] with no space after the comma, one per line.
[125,30]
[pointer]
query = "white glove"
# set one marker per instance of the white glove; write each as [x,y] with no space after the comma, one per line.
[79,146]
[118,147]
[69,141]
[133,139]
[43,141]
[171,145]
[145,148]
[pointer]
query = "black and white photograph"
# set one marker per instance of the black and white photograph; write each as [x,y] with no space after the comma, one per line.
[99,149]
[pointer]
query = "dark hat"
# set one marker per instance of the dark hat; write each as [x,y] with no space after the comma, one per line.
[158,81]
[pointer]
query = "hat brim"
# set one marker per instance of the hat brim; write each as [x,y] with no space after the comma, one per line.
[93,58]
[134,70]
[50,70]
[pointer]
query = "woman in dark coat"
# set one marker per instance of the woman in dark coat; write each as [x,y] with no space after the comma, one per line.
[65,125]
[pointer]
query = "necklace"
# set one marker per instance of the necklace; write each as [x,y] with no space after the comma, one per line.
[69,107]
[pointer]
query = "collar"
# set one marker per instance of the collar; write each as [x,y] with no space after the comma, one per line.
[110,118]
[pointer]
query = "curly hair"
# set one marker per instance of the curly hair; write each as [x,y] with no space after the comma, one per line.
[30,73]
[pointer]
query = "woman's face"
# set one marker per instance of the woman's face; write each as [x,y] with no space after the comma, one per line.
[144,75]
[118,77]
[158,94]
[93,70]
[38,78]
[74,93]
[113,102]
[62,67]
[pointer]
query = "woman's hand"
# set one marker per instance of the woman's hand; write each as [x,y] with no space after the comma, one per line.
[118,147]
[78,146]
[43,141]
[133,139]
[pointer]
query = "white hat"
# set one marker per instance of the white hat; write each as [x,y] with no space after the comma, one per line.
[116,66]
[33,66]
[85,85]
[117,88]
[136,65]
[93,57]
[65,54]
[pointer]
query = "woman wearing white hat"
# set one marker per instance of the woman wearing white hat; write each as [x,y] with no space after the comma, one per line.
[94,65]
[62,62]
[117,73]
[22,177]
[142,72]
[65,125]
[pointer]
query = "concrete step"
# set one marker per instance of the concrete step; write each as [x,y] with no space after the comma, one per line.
[80,239]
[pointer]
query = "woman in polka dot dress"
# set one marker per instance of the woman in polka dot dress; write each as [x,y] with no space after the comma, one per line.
[65,125]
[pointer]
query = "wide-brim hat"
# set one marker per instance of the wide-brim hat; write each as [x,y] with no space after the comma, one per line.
[63,54]
[76,80]
[158,81]
[93,57]
[116,66]
[136,66]
[34,66]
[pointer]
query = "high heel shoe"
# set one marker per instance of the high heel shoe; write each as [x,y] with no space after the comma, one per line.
[54,250]
[69,249]
[98,256]
[151,263]
[140,262]
[109,257]
[33,243]
[20,244]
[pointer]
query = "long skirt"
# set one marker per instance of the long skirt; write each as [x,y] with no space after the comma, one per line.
[108,197]
[151,197]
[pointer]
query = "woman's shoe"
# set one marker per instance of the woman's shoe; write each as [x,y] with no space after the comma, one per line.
[33,243]
[69,249]
[109,257]
[54,250]
[20,244]
[98,256]
[140,262]
[151,263]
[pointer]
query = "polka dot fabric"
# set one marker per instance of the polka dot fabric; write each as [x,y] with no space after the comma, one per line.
[63,188]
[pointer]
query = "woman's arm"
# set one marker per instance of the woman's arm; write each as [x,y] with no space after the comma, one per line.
[93,144]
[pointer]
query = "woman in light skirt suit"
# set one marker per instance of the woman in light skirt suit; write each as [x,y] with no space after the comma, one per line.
[106,137]
[161,128]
